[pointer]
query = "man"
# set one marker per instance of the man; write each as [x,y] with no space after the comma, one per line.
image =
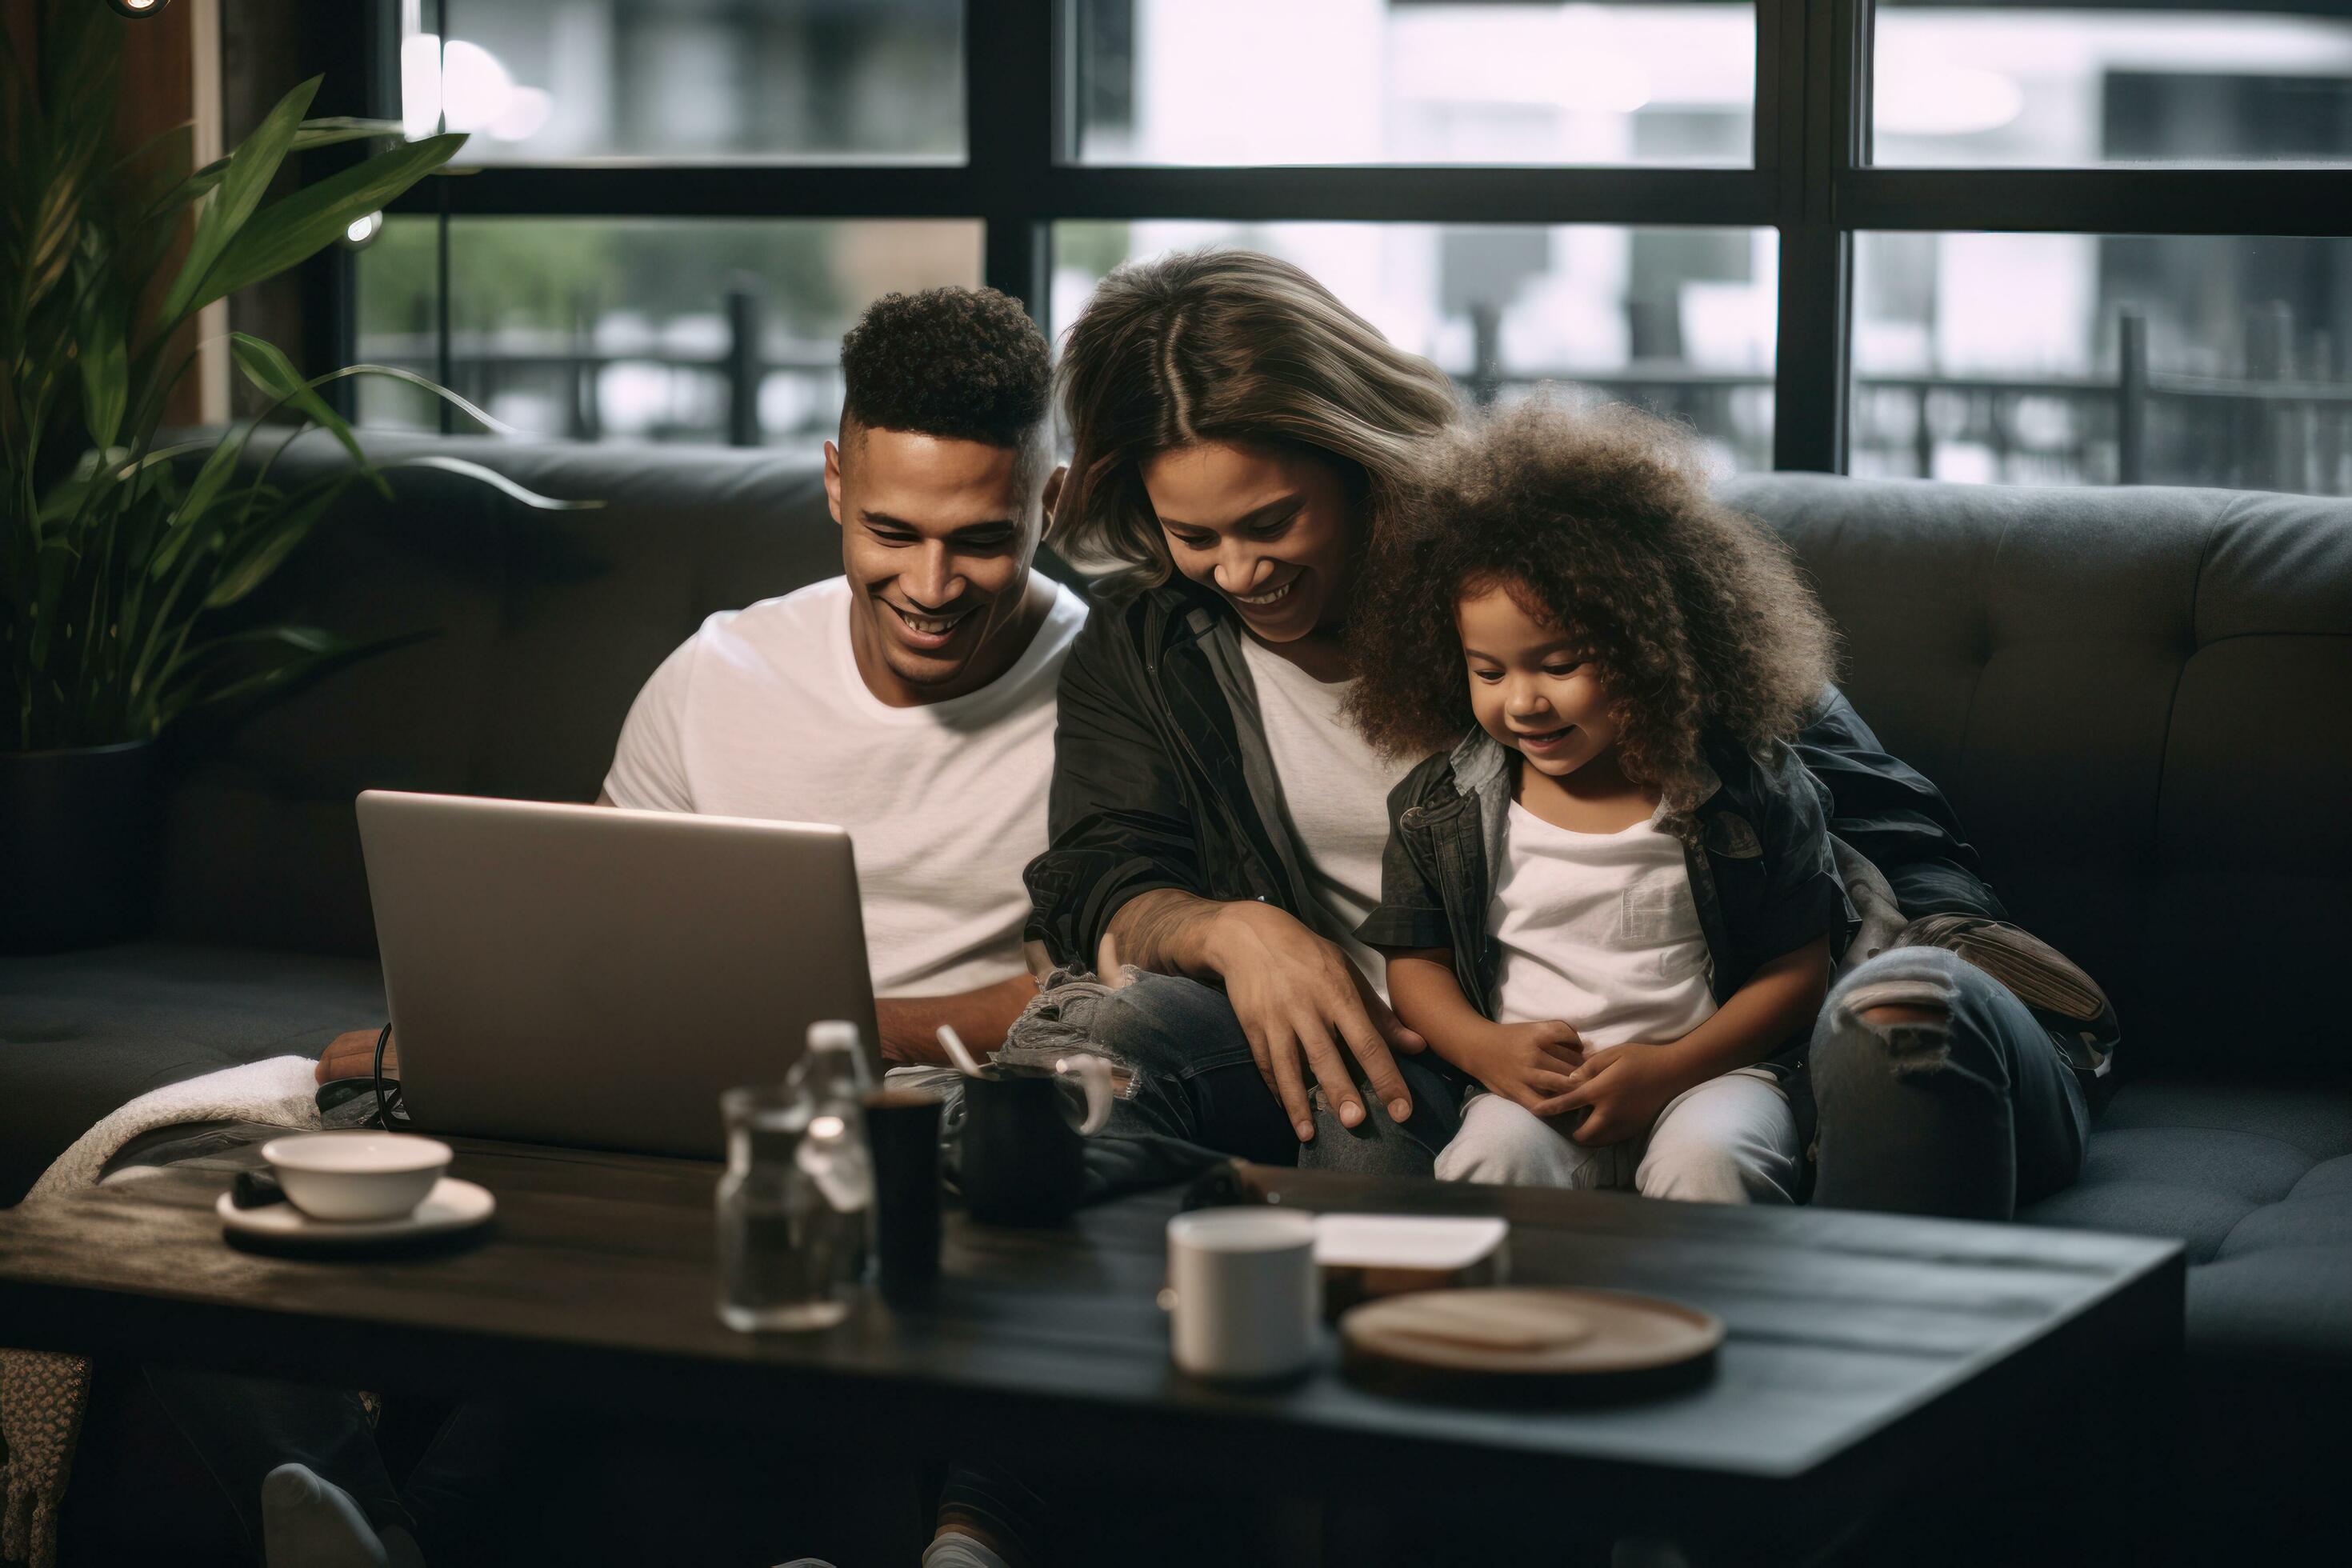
[911,701]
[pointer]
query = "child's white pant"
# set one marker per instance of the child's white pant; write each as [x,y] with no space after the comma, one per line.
[1731,1140]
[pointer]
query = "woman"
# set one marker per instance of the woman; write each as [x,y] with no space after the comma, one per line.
[1216,826]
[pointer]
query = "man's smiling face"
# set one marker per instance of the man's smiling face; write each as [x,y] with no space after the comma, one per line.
[936,539]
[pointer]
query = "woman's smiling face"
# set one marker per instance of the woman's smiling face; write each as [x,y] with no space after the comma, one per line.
[1273,528]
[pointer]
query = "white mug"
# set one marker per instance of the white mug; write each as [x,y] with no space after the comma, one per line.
[1244,1300]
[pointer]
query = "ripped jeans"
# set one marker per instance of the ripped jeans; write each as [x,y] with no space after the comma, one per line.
[1967,1110]
[1197,1088]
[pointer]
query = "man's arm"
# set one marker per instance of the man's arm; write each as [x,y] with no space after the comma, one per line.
[910,1025]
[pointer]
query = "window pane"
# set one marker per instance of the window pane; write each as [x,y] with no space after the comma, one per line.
[555,81]
[1681,320]
[602,329]
[2056,86]
[2010,358]
[1413,82]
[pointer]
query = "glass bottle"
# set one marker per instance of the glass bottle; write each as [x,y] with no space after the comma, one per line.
[796,1203]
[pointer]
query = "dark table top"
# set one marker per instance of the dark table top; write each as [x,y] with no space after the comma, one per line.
[1855,1341]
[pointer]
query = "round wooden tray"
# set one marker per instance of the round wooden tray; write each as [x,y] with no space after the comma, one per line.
[1519,1332]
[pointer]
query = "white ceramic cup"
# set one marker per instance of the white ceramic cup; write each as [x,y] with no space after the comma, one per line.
[1244,1300]
[356,1176]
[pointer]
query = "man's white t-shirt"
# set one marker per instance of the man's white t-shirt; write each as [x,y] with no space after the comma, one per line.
[1599,930]
[762,713]
[1335,789]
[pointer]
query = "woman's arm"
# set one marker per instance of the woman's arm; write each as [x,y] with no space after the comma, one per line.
[1627,1086]
[1121,882]
[1119,828]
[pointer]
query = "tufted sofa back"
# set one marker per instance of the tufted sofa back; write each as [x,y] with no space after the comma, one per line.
[2140,702]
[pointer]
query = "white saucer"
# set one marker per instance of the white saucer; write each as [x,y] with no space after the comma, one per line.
[451,1206]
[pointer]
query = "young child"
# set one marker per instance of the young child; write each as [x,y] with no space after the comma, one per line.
[1612,904]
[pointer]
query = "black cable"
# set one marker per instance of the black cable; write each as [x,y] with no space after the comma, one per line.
[386,1107]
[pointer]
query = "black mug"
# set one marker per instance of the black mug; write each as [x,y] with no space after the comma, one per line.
[903,1127]
[1021,1151]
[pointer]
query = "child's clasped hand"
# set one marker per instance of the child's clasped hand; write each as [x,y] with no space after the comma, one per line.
[1531,1064]
[1623,1087]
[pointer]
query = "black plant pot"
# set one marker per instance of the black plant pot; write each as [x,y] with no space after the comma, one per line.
[79,833]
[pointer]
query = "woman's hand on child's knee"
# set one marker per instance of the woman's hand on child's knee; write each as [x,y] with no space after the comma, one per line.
[1299,1002]
[1532,1065]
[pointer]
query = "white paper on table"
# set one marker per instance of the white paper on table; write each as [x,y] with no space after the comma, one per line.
[1435,1243]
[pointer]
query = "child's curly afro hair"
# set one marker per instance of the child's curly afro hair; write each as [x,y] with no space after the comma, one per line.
[1599,520]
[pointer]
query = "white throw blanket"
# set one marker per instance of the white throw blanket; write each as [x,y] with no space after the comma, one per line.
[42,1394]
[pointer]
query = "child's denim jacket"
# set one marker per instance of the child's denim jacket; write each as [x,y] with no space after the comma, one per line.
[1757,847]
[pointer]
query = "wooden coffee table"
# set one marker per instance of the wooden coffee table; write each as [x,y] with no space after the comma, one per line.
[1869,1358]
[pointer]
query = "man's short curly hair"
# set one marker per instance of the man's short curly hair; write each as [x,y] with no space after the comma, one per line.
[1598,521]
[964,364]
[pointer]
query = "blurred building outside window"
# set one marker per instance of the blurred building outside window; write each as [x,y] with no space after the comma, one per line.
[1413,82]
[2071,86]
[2104,359]
[557,81]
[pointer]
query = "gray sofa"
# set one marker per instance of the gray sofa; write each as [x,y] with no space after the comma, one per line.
[2140,702]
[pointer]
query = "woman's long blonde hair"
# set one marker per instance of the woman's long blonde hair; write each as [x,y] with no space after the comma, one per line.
[1230,346]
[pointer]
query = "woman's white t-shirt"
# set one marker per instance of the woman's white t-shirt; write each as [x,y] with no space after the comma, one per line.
[1336,789]
[762,713]
[1599,930]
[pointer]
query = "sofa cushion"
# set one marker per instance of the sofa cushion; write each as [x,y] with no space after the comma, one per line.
[82,1033]
[2127,694]
[2258,1182]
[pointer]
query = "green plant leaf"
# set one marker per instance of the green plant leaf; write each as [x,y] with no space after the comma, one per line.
[250,169]
[305,652]
[203,490]
[289,231]
[496,480]
[105,367]
[334,129]
[479,415]
[268,546]
[275,374]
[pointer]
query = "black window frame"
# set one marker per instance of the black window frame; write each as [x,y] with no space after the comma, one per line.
[1812,181]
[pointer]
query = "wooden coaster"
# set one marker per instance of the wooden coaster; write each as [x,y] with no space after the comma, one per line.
[1528,1334]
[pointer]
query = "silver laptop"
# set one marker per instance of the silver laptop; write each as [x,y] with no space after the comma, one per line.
[596,977]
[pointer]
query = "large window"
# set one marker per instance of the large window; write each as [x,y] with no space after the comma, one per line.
[2075,244]
[634,328]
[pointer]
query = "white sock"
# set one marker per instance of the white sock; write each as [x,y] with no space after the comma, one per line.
[952,1549]
[308,1521]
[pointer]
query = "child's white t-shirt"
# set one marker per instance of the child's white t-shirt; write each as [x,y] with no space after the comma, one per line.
[1599,930]
[762,713]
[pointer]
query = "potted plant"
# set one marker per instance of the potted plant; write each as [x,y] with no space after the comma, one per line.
[117,553]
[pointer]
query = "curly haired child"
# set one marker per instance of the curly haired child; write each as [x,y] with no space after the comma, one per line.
[1613,903]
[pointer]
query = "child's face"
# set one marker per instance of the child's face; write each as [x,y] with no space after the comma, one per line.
[1531,687]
